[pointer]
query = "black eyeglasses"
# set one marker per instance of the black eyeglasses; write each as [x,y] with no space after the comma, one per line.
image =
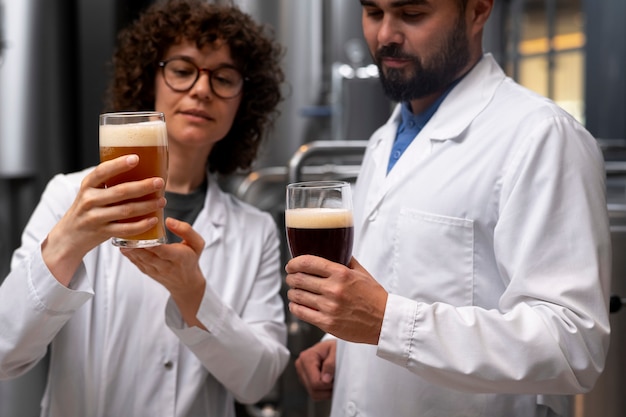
[180,74]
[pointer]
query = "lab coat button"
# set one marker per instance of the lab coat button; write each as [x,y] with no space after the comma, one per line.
[351,409]
[168,365]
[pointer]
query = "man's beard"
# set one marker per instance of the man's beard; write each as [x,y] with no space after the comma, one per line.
[434,75]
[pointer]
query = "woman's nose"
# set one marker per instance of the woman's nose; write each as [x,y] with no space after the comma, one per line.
[202,87]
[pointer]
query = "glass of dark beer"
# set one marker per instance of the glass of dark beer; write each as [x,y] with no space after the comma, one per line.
[143,134]
[318,219]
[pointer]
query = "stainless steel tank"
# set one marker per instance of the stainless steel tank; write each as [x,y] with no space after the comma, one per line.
[321,103]
[17,64]
[37,81]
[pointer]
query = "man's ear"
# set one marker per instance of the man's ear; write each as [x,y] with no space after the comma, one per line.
[479,11]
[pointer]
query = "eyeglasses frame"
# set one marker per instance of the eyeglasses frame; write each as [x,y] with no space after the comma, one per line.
[200,70]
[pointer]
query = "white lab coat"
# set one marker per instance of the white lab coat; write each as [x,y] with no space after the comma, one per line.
[118,343]
[491,235]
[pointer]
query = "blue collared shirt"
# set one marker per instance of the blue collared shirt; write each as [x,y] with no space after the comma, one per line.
[411,125]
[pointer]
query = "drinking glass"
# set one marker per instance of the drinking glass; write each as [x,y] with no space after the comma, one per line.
[318,219]
[143,134]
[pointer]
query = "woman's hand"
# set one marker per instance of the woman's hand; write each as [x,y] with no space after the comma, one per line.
[94,214]
[176,267]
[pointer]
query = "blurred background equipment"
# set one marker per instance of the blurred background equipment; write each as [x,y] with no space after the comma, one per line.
[56,56]
[1,30]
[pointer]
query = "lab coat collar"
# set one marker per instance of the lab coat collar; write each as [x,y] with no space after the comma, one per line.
[457,111]
[466,101]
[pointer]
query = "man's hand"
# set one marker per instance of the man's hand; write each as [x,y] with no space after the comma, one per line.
[316,369]
[344,301]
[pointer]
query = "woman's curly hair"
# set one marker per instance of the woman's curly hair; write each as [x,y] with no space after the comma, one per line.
[143,44]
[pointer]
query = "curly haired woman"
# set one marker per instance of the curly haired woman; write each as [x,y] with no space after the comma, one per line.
[180,329]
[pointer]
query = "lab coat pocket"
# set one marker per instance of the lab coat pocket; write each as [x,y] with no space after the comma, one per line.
[433,258]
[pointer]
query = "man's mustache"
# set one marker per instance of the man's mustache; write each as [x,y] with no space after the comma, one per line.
[392,51]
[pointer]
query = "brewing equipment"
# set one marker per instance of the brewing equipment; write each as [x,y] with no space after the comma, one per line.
[27,29]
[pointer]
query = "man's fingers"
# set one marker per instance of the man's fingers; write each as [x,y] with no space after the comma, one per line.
[311,264]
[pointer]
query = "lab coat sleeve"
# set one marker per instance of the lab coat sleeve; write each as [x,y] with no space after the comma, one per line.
[34,306]
[550,332]
[246,352]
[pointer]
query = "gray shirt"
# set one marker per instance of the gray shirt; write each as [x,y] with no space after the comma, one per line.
[184,207]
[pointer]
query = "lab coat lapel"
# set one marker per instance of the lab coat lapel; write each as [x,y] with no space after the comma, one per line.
[465,102]
[211,219]
[373,175]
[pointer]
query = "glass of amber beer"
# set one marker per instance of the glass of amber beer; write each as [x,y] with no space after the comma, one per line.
[143,134]
[318,219]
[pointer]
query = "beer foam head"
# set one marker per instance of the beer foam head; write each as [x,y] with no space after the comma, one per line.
[318,218]
[152,133]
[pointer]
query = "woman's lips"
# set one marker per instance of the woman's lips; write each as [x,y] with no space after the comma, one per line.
[194,113]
